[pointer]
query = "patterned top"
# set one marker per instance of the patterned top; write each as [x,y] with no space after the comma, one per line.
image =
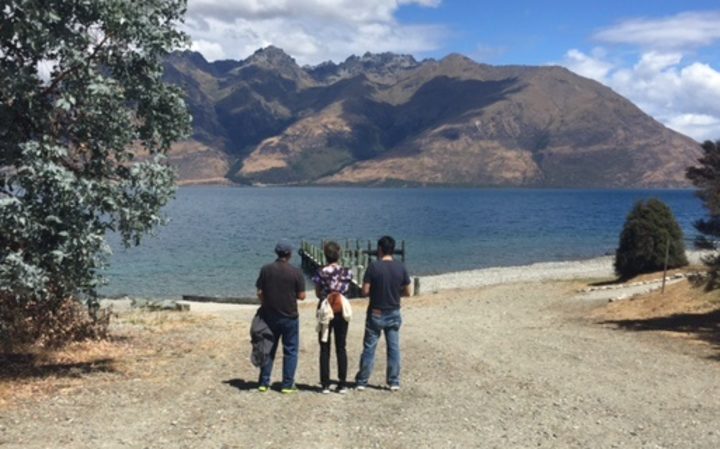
[332,278]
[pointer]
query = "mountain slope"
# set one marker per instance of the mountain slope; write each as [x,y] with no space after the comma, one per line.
[388,119]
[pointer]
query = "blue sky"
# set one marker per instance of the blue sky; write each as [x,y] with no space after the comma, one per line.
[534,32]
[664,55]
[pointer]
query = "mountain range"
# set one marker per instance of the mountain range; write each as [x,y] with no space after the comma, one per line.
[388,119]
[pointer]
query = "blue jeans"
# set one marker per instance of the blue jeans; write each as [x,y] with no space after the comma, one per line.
[289,330]
[388,321]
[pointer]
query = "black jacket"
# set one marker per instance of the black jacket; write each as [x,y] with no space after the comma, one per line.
[262,340]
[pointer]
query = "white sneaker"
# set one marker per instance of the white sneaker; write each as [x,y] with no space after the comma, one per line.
[360,387]
[394,387]
[342,390]
[325,391]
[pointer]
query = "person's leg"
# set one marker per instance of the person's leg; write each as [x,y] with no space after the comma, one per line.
[392,324]
[291,342]
[325,360]
[367,359]
[340,328]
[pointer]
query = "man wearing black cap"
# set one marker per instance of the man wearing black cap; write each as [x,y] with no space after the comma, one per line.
[279,287]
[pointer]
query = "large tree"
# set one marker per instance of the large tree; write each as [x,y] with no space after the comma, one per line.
[85,122]
[706,177]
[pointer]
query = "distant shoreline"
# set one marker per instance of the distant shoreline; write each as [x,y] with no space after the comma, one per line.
[594,268]
[224,182]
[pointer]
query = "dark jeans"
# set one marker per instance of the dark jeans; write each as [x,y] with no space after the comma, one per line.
[339,327]
[289,330]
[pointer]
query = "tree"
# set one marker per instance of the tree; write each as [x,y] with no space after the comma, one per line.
[706,177]
[85,123]
[649,228]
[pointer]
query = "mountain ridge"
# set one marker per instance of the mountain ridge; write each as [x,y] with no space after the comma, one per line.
[388,119]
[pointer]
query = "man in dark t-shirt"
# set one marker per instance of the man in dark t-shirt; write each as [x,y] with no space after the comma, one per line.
[385,281]
[279,286]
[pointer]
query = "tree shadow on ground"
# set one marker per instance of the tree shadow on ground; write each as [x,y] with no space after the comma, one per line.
[604,283]
[703,326]
[31,366]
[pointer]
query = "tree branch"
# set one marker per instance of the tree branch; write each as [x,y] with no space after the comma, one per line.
[73,69]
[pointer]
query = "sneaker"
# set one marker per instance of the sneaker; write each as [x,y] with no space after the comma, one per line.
[342,390]
[263,388]
[325,390]
[360,387]
[394,387]
[291,390]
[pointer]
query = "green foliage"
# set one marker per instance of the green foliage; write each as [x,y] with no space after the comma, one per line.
[648,229]
[706,177]
[82,98]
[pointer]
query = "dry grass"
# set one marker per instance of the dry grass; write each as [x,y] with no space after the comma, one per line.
[679,298]
[138,348]
[684,310]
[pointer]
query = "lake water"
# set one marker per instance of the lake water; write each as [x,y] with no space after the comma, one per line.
[218,237]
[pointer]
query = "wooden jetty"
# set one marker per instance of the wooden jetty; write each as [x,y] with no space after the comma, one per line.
[354,255]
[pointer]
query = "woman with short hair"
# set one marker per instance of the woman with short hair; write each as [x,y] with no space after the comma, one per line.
[332,281]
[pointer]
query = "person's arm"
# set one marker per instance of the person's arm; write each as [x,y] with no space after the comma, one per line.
[300,286]
[365,289]
[318,291]
[406,284]
[259,286]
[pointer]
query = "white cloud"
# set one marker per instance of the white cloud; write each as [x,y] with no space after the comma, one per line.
[211,50]
[705,127]
[681,31]
[587,65]
[312,31]
[683,96]
[344,10]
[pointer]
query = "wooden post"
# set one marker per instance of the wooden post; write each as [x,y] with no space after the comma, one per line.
[416,286]
[667,256]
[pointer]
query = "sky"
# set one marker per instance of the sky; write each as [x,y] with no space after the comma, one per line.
[663,55]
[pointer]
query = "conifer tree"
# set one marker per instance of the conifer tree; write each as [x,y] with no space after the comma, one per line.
[649,232]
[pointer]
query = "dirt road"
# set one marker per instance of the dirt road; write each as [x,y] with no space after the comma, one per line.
[508,366]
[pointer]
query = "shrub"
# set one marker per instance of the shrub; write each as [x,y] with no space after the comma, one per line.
[648,229]
[47,323]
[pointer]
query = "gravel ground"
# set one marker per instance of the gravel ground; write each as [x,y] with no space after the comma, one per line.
[505,366]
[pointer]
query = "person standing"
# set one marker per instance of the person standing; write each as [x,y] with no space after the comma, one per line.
[279,286]
[331,283]
[385,281]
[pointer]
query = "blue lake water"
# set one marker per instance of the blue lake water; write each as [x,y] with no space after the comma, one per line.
[218,237]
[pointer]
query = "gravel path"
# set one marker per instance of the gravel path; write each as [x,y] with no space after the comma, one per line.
[507,366]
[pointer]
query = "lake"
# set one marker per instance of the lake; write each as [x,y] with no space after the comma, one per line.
[218,237]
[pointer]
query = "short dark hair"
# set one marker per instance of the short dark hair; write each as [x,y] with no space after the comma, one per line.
[387,245]
[332,251]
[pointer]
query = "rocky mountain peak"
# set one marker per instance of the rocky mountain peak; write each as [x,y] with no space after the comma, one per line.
[375,66]
[271,56]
